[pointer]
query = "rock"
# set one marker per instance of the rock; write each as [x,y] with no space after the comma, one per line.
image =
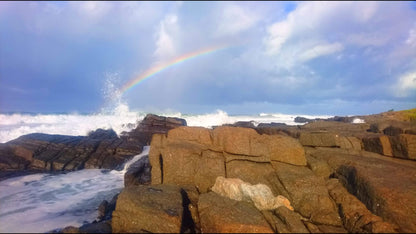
[255,173]
[299,119]
[243,124]
[138,173]
[65,153]
[319,167]
[408,143]
[393,131]
[70,229]
[308,194]
[329,139]
[234,140]
[152,124]
[291,220]
[98,227]
[278,129]
[102,210]
[197,156]
[101,134]
[259,194]
[378,144]
[373,179]
[355,215]
[286,150]
[220,214]
[156,208]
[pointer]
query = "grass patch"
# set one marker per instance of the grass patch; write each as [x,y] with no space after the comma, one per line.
[410,114]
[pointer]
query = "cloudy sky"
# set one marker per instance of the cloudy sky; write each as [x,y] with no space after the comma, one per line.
[336,58]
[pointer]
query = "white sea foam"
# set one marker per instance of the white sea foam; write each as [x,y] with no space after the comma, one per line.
[358,120]
[44,202]
[15,125]
[120,119]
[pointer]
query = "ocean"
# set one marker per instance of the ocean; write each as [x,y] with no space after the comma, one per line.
[45,202]
[120,119]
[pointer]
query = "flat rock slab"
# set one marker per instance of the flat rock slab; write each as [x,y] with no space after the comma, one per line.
[142,208]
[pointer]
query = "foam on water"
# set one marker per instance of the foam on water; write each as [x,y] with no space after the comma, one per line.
[15,125]
[44,202]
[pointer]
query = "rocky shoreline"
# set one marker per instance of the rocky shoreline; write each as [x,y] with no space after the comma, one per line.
[325,176]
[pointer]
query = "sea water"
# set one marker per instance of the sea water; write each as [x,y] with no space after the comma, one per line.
[44,202]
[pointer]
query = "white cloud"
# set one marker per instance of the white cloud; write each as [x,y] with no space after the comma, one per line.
[165,46]
[320,50]
[234,19]
[411,40]
[406,85]
[356,24]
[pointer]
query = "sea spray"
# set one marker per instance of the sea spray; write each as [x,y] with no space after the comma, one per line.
[44,202]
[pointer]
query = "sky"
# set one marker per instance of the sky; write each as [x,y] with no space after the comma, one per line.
[336,58]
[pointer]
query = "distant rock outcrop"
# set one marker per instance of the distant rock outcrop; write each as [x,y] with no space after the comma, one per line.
[99,149]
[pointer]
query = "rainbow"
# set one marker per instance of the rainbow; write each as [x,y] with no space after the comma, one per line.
[165,65]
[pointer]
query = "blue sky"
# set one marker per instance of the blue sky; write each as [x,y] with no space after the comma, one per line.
[336,58]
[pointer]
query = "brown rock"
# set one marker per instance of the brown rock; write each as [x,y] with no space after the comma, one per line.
[260,194]
[378,144]
[409,144]
[319,167]
[152,124]
[355,215]
[287,150]
[156,208]
[234,140]
[209,167]
[138,173]
[291,219]
[308,194]
[373,179]
[219,214]
[255,173]
[190,134]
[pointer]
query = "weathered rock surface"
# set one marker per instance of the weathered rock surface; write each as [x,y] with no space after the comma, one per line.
[283,220]
[308,194]
[220,214]
[156,208]
[355,215]
[387,186]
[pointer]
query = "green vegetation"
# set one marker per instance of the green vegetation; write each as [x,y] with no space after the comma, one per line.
[410,114]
